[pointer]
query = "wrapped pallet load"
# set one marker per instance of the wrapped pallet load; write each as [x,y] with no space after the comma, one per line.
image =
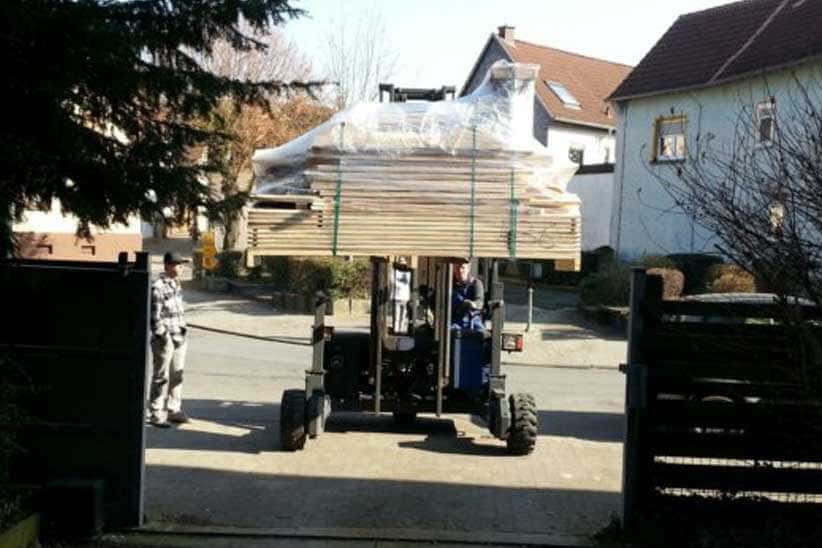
[461,178]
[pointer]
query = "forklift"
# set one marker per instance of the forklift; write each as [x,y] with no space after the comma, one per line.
[430,366]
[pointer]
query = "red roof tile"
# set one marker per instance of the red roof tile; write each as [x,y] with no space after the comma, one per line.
[588,79]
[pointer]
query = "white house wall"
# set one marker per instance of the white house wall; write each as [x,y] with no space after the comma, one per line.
[596,143]
[645,220]
[595,190]
[55,221]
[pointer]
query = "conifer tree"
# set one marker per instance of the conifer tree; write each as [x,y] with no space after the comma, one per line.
[102,99]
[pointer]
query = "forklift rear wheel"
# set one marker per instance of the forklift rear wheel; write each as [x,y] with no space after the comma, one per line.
[522,437]
[292,420]
[404,418]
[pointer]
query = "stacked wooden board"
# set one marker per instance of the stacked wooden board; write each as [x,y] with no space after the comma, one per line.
[420,203]
[462,178]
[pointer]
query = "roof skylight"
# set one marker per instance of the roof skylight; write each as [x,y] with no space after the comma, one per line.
[564,95]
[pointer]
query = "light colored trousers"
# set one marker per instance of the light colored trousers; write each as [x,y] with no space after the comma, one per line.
[400,316]
[167,379]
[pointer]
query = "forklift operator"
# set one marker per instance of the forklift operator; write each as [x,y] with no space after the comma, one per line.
[467,298]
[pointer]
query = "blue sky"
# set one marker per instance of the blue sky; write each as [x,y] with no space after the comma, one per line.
[439,40]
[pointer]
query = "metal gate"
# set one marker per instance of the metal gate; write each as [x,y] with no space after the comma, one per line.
[78,331]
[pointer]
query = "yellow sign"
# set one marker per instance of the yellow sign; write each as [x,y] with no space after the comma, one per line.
[209,251]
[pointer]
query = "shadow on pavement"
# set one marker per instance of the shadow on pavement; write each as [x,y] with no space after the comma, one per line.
[583,425]
[590,426]
[361,422]
[457,445]
[259,424]
[243,499]
[278,495]
[442,433]
[258,429]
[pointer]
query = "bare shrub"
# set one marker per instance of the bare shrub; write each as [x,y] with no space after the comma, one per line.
[673,282]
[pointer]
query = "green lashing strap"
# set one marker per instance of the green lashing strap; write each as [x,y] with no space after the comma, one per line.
[473,190]
[337,194]
[512,232]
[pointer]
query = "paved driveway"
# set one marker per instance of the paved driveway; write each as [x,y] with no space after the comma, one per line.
[444,475]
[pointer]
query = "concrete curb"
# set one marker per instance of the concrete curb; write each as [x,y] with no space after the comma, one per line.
[615,317]
[603,367]
[396,535]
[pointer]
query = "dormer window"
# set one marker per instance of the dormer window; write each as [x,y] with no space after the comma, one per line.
[563,94]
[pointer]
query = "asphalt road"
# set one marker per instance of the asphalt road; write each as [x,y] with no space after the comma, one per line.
[444,474]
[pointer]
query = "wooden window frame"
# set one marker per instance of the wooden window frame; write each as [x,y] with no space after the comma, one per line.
[655,153]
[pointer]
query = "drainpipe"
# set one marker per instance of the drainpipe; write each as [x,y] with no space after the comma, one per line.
[624,115]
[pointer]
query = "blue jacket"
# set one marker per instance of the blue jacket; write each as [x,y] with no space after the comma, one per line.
[463,296]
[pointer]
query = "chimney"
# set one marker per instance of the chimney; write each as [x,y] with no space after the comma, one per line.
[506,32]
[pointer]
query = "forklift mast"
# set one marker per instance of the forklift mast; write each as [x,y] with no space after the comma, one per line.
[423,333]
[440,275]
[401,95]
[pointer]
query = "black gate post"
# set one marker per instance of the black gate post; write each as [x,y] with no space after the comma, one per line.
[140,280]
[634,459]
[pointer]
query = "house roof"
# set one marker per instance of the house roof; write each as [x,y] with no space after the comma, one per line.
[588,79]
[727,42]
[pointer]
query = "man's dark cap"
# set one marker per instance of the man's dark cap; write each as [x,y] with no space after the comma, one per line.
[172,257]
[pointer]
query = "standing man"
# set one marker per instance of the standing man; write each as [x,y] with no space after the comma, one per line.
[467,298]
[400,295]
[168,345]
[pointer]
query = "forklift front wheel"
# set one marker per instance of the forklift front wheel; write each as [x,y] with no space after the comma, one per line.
[292,420]
[522,436]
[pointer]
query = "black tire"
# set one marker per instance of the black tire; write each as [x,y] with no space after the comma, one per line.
[522,436]
[404,418]
[292,420]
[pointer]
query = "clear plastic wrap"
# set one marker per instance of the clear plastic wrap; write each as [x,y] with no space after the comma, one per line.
[450,178]
[496,119]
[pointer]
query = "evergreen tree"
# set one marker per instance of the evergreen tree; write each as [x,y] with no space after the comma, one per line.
[102,99]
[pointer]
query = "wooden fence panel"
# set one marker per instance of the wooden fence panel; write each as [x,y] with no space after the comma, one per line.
[718,399]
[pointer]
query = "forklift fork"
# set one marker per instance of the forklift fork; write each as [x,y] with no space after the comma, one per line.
[445,277]
[499,414]
[318,405]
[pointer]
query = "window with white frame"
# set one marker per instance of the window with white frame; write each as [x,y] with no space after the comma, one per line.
[670,138]
[766,121]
